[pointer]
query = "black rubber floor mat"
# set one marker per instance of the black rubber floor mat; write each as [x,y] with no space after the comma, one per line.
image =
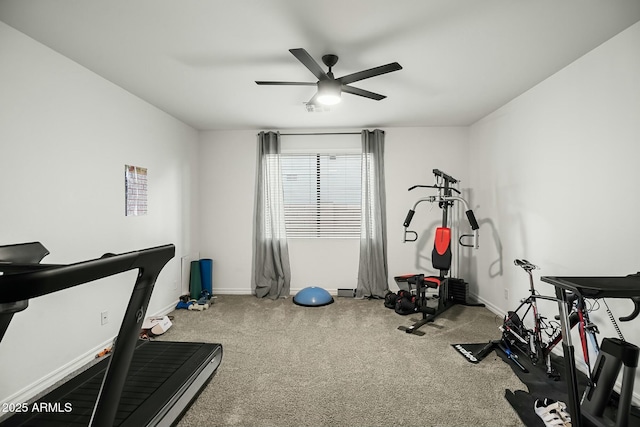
[541,386]
[474,353]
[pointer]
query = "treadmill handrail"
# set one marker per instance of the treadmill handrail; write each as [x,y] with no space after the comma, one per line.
[43,279]
[149,262]
[597,286]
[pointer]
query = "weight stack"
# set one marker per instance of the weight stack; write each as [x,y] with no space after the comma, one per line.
[458,291]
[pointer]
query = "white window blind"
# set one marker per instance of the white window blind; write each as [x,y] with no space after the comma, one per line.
[321,195]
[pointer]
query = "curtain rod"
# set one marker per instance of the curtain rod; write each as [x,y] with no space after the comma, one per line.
[320,133]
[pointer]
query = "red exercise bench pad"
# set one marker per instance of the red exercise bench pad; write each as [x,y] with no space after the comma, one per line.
[441,255]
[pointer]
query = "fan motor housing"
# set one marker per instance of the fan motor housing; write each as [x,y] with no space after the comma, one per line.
[330,60]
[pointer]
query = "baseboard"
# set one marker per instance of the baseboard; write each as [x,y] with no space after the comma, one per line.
[491,307]
[166,310]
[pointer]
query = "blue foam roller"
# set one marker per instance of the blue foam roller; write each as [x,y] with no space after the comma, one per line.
[206,272]
[313,297]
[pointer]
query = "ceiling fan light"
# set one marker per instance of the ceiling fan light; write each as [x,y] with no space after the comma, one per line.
[328,92]
[328,99]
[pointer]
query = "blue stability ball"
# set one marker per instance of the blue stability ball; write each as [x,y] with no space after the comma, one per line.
[313,297]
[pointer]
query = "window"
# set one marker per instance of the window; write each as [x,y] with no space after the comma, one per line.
[321,188]
[321,194]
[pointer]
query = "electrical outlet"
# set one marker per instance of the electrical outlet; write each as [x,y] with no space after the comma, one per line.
[506,293]
[104,317]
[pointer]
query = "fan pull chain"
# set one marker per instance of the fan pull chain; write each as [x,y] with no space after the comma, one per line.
[613,320]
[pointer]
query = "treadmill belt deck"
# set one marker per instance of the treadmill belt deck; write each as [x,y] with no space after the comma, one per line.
[157,370]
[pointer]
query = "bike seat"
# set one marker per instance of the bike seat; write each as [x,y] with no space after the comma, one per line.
[526,265]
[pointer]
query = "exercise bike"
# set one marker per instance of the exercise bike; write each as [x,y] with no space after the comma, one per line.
[538,342]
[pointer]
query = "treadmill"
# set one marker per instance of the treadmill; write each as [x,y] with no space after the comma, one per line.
[140,383]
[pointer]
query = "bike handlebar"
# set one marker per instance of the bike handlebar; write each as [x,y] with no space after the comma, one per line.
[636,310]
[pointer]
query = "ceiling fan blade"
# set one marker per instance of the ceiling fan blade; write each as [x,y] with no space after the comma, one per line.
[312,101]
[361,92]
[286,83]
[371,72]
[306,59]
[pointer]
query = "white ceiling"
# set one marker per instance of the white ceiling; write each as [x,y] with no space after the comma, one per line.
[198,59]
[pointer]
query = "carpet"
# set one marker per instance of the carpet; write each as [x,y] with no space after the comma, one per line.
[344,364]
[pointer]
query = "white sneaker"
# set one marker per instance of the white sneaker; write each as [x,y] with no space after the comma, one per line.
[552,413]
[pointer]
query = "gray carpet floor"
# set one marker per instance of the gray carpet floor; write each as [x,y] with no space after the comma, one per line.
[344,364]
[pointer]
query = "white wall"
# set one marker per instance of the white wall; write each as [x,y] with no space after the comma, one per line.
[227,180]
[555,177]
[65,136]
[227,177]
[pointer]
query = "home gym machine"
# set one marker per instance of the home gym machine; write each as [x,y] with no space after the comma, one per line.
[141,383]
[450,291]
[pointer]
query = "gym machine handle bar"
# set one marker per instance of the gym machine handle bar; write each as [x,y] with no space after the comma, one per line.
[470,217]
[434,186]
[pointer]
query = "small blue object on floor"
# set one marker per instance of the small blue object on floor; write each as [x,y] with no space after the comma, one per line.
[185,305]
[312,297]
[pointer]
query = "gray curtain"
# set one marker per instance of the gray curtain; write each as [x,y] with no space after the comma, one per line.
[271,274]
[373,269]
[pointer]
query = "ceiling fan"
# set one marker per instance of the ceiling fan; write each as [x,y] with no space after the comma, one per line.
[330,88]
